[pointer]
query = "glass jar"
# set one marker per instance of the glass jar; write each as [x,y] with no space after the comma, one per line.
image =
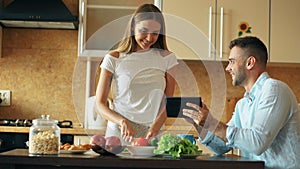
[44,136]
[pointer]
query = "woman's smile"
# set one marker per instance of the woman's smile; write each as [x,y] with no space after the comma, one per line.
[146,33]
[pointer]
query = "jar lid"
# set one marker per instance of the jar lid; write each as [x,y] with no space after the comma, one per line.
[45,120]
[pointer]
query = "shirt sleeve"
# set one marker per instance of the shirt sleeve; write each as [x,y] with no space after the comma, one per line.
[171,61]
[109,63]
[215,144]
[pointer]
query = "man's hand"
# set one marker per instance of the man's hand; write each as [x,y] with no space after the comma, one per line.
[197,113]
[199,129]
[203,121]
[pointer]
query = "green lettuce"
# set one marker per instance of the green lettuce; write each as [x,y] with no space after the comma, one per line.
[175,146]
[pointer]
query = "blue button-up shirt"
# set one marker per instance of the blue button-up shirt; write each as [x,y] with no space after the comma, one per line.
[265,126]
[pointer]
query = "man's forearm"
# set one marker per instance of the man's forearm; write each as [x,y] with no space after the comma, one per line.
[201,131]
[215,126]
[219,129]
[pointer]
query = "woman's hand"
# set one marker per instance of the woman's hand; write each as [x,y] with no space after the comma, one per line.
[152,133]
[127,132]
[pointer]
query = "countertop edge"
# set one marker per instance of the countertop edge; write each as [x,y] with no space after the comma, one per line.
[72,131]
[19,156]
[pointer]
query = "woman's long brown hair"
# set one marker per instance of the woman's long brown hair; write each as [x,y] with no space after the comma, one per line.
[144,12]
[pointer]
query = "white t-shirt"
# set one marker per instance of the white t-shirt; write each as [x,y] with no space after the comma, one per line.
[139,80]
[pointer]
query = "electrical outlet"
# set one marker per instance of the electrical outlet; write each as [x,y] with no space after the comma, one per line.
[5,97]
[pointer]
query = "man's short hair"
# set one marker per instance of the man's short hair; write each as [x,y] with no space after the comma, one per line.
[252,46]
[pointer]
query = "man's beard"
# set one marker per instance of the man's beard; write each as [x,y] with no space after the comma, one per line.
[240,77]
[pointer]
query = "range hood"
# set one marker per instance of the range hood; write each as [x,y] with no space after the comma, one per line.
[51,14]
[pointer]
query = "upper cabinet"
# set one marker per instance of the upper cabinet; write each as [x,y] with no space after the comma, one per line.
[196,29]
[205,27]
[102,24]
[284,39]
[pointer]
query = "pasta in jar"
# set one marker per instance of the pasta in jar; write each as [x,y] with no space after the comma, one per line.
[44,137]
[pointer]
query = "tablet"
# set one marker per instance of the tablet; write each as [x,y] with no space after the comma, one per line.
[174,105]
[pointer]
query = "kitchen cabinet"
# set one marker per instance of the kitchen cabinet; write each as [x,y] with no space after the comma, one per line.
[212,24]
[284,31]
[102,24]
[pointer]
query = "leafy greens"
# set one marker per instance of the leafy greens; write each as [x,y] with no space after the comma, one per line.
[175,146]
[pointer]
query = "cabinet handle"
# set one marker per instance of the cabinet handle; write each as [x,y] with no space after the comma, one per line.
[81,25]
[209,31]
[87,89]
[221,32]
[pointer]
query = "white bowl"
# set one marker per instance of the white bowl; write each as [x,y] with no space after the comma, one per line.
[141,150]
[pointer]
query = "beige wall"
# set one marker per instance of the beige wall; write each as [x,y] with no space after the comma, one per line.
[38,65]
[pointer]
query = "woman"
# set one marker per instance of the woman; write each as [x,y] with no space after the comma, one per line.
[143,72]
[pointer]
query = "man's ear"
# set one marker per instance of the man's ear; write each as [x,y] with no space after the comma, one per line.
[251,61]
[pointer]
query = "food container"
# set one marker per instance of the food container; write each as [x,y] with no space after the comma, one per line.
[44,136]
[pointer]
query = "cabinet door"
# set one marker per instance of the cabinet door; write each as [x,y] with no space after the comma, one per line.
[254,12]
[189,27]
[102,24]
[285,33]
[217,23]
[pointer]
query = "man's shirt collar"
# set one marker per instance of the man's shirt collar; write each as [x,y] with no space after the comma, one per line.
[256,87]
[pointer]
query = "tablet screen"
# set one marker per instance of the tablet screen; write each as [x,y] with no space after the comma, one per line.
[174,105]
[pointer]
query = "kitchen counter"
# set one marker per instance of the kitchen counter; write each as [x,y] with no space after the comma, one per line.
[12,137]
[73,131]
[20,159]
[172,125]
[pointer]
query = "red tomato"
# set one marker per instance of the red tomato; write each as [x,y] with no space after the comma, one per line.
[141,142]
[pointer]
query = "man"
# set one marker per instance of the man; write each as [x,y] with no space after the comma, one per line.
[266,122]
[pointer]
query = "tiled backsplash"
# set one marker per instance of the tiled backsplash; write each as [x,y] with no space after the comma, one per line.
[38,66]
